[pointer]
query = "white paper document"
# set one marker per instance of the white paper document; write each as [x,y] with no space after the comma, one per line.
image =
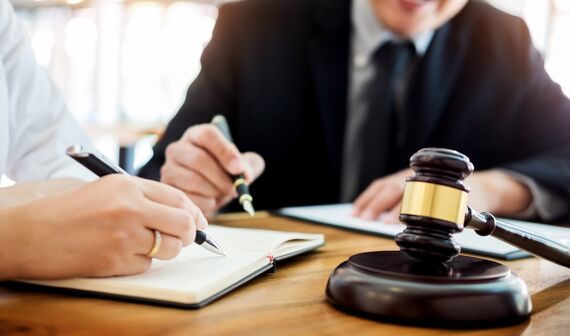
[339,215]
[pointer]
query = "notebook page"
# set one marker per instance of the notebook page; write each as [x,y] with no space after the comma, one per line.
[256,239]
[340,215]
[292,247]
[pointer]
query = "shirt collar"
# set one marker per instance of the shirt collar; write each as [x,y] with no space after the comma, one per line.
[369,34]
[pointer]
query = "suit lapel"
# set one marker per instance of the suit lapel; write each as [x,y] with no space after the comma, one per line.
[328,52]
[438,73]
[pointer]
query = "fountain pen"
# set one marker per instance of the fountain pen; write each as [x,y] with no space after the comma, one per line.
[240,184]
[101,166]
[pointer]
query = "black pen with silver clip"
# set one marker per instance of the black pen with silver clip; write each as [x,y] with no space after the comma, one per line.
[240,185]
[101,166]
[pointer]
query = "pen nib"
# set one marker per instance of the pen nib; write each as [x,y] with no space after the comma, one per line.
[212,246]
[248,207]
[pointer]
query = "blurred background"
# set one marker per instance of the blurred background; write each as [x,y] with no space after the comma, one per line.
[124,65]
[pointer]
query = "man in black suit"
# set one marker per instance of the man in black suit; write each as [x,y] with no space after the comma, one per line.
[335,95]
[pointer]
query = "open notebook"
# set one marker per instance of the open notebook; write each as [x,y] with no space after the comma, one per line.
[339,215]
[197,277]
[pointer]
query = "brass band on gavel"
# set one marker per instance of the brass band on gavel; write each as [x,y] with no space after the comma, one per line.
[435,201]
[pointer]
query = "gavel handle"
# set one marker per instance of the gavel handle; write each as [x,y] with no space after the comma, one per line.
[485,224]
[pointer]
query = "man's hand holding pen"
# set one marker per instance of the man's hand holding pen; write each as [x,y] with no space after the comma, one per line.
[202,164]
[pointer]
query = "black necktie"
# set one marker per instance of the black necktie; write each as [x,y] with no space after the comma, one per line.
[386,97]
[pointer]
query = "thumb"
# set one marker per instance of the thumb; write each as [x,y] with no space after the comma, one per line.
[254,166]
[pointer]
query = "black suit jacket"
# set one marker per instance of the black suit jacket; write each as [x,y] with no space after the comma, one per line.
[278,69]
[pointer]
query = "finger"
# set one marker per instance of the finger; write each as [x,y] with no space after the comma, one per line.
[386,199]
[206,204]
[169,247]
[176,222]
[393,215]
[254,166]
[209,138]
[136,264]
[220,202]
[197,159]
[164,194]
[189,181]
[366,197]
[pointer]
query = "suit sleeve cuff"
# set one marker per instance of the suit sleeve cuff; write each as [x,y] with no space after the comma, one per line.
[545,204]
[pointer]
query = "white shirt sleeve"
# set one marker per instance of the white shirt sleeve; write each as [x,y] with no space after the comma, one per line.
[40,127]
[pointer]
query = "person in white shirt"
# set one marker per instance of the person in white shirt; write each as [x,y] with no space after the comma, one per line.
[65,227]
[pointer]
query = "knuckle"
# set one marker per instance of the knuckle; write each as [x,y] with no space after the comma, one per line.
[126,210]
[204,133]
[169,174]
[193,131]
[170,150]
[190,131]
[378,183]
[196,156]
[119,240]
[124,184]
[189,134]
[179,198]
[175,151]
[108,264]
[124,217]
[229,151]
[116,180]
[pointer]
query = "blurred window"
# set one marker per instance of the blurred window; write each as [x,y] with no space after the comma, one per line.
[558,51]
[549,24]
[120,62]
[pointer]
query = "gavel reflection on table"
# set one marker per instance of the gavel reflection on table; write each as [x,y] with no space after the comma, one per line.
[427,282]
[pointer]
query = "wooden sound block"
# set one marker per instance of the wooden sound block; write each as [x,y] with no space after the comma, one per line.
[465,292]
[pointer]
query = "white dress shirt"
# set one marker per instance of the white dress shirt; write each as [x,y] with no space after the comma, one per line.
[35,126]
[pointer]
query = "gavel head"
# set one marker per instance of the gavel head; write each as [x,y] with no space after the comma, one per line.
[434,204]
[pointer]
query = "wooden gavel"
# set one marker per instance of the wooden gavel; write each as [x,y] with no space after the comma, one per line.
[434,207]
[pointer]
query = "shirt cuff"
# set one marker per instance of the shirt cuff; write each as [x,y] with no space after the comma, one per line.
[545,204]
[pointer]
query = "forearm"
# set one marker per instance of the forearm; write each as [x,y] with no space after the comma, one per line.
[497,192]
[10,249]
[29,191]
[15,204]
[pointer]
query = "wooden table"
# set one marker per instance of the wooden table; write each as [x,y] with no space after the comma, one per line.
[288,302]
